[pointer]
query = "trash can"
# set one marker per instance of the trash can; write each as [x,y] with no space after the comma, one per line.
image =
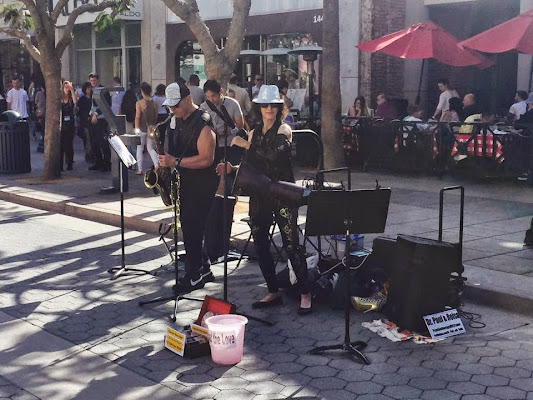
[14,144]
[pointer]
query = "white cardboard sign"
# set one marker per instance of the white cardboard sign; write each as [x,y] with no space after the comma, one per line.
[444,324]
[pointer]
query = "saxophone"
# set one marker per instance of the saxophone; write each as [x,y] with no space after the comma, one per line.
[159,178]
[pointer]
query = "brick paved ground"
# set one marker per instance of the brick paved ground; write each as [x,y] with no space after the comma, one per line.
[8,390]
[53,276]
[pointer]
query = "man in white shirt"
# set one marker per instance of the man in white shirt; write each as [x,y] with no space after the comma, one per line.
[258,83]
[519,108]
[241,95]
[17,99]
[116,96]
[213,94]
[197,93]
[444,98]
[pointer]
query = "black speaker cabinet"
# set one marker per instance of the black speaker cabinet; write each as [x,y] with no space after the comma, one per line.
[420,281]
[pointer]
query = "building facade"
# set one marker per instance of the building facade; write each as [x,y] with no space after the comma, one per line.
[143,48]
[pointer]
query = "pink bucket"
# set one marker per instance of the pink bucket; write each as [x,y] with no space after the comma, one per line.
[226,338]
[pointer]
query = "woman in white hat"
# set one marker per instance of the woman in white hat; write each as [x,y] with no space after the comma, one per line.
[269,152]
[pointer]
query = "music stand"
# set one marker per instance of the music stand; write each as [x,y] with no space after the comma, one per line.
[343,212]
[126,161]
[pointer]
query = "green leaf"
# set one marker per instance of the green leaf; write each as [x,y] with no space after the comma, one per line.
[105,20]
[17,17]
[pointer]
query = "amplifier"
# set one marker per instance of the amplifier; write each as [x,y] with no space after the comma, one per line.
[419,280]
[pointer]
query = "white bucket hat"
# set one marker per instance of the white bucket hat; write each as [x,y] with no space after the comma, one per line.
[268,94]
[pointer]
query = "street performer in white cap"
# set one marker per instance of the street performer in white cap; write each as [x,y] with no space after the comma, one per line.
[194,159]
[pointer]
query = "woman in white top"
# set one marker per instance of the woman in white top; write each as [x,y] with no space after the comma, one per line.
[145,116]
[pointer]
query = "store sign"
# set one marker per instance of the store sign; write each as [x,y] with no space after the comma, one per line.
[223,9]
[135,13]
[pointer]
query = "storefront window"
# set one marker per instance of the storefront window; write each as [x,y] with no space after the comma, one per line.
[84,61]
[109,37]
[15,61]
[108,65]
[82,37]
[133,34]
[115,51]
[190,59]
[133,65]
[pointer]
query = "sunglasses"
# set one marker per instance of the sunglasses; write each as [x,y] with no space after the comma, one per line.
[261,80]
[269,104]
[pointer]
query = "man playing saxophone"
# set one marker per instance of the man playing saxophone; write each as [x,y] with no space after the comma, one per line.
[193,157]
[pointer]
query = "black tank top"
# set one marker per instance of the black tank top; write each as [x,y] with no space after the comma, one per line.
[187,145]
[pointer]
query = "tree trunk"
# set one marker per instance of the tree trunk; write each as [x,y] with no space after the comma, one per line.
[219,64]
[51,69]
[220,69]
[331,88]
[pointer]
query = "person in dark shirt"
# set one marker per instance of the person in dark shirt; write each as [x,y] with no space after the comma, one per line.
[385,108]
[194,159]
[269,153]
[85,104]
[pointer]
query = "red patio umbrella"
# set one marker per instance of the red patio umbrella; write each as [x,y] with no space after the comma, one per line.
[426,40]
[515,34]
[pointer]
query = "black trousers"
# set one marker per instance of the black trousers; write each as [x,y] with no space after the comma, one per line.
[67,145]
[99,145]
[196,197]
[262,213]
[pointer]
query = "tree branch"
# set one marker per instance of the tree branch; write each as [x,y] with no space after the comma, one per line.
[54,15]
[22,35]
[35,15]
[48,24]
[193,4]
[188,12]
[241,9]
[66,38]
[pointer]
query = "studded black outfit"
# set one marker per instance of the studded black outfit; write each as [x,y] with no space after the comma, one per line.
[270,154]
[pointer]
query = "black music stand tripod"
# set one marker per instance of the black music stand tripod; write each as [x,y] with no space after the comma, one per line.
[347,212]
[126,160]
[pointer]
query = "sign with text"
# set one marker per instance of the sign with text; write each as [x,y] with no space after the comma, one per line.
[224,339]
[444,324]
[175,341]
[135,13]
[199,330]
